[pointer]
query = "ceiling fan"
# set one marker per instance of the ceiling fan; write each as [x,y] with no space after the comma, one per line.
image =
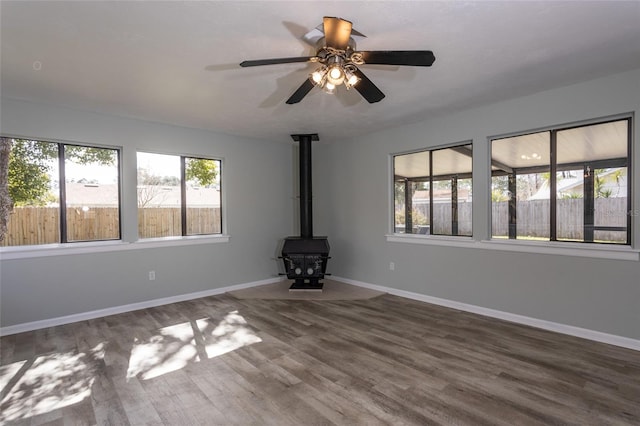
[339,60]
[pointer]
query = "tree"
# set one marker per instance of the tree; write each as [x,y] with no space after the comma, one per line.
[150,188]
[6,204]
[31,163]
[527,185]
[617,176]
[28,174]
[201,170]
[89,155]
[25,167]
[148,193]
[500,188]
[604,176]
[399,194]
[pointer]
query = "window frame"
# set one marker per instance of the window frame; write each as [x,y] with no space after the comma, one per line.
[183,201]
[552,169]
[128,240]
[430,179]
[62,196]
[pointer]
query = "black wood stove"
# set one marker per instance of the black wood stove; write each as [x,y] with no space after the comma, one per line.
[305,257]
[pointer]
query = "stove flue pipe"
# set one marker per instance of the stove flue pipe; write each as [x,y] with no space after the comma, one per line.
[306,201]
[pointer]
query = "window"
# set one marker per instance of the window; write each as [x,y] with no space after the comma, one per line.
[564,184]
[432,191]
[178,196]
[62,193]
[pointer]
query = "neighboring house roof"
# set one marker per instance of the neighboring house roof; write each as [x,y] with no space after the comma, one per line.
[575,185]
[106,195]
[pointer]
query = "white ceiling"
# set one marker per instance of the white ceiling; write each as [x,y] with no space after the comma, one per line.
[176,62]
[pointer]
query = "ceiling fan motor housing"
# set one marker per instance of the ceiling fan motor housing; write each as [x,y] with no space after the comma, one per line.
[324,52]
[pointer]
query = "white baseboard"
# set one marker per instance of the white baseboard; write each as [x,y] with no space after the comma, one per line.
[584,333]
[83,316]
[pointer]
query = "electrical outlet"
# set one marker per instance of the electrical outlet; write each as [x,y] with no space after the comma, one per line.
[152,275]
[392,266]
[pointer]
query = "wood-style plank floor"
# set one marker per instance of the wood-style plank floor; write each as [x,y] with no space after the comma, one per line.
[387,360]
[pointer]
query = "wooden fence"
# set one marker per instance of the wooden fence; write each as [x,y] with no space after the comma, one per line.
[533,218]
[442,217]
[40,225]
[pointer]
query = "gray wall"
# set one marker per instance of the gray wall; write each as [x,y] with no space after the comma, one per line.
[351,206]
[601,295]
[257,211]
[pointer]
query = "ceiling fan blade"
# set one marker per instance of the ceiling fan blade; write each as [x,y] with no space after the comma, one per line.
[355,32]
[416,58]
[274,61]
[367,89]
[301,92]
[336,32]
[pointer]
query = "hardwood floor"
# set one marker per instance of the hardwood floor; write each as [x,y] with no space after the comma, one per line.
[387,360]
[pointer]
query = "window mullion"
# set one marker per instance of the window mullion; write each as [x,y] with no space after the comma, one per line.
[408,207]
[118,159]
[629,170]
[183,196]
[62,180]
[553,186]
[431,192]
[589,203]
[513,204]
[454,205]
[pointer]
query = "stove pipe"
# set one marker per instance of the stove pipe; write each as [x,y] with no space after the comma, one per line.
[305,257]
[306,202]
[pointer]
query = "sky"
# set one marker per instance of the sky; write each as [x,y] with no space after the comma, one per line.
[156,164]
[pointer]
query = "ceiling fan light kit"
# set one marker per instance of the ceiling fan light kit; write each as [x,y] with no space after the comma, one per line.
[339,59]
[328,78]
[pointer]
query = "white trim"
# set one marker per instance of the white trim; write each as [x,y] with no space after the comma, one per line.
[28,252]
[599,251]
[570,330]
[438,240]
[584,333]
[83,316]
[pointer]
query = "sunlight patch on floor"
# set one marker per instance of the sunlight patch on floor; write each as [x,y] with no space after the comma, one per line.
[169,350]
[231,333]
[173,347]
[49,383]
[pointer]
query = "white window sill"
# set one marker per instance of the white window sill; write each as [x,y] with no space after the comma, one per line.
[436,240]
[26,252]
[600,251]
